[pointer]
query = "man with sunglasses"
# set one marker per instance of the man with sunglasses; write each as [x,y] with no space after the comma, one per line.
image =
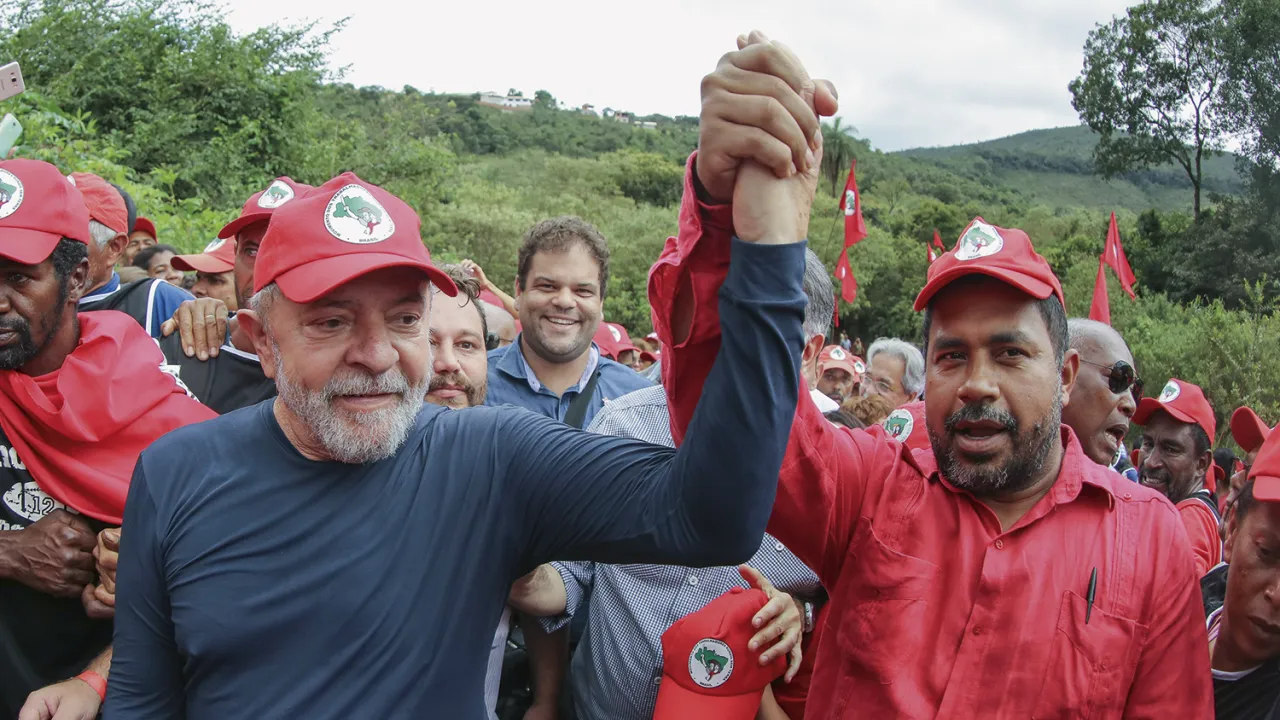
[1177,461]
[1105,395]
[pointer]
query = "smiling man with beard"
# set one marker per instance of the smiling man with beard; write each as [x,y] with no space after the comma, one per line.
[346,549]
[1001,573]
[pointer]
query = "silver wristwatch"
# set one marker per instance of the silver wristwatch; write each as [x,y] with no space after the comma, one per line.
[809,617]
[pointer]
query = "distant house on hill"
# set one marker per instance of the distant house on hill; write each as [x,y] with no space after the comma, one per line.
[647,125]
[587,109]
[623,116]
[505,102]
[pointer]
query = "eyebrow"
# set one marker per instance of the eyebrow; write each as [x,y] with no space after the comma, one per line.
[555,281]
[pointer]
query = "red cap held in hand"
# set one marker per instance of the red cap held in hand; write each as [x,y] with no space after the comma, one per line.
[707,670]
[906,425]
[834,356]
[38,207]
[1248,430]
[340,231]
[104,203]
[261,205]
[219,256]
[1005,254]
[1265,472]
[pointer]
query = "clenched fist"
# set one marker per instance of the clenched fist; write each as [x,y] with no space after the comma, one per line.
[52,555]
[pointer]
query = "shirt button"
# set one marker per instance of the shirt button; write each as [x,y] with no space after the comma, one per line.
[693,580]
[977,629]
[1128,496]
[657,681]
[999,544]
[779,547]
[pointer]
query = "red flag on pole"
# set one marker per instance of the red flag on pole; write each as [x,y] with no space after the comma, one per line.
[932,255]
[1113,255]
[937,244]
[851,205]
[848,285]
[1100,308]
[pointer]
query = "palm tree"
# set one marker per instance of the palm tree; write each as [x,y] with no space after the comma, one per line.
[839,148]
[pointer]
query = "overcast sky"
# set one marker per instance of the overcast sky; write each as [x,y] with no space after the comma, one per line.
[910,72]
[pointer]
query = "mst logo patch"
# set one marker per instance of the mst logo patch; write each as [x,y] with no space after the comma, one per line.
[276,194]
[979,241]
[710,663]
[1171,392]
[899,424]
[11,193]
[354,216]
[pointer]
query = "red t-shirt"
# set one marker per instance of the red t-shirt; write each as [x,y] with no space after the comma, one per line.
[934,611]
[1202,530]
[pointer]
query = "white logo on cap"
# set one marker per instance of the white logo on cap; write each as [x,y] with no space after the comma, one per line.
[10,193]
[980,240]
[1171,392]
[617,336]
[899,424]
[276,194]
[710,663]
[837,354]
[850,202]
[354,216]
[857,365]
[214,245]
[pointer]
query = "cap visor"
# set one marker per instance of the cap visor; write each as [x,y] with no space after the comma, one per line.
[1266,489]
[313,280]
[1248,430]
[1027,284]
[201,262]
[675,702]
[1148,406]
[240,223]
[28,247]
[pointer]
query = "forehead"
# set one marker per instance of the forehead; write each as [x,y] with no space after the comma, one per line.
[886,363]
[1105,349]
[572,263]
[455,315]
[378,290]
[251,233]
[1263,517]
[1163,426]
[141,235]
[979,310]
[836,371]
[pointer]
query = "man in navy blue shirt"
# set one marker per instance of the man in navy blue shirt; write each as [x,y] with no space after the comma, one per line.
[562,274]
[343,551]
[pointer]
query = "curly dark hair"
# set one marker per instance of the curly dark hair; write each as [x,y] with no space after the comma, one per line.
[557,235]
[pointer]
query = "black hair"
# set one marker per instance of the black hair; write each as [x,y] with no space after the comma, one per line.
[1050,308]
[1225,459]
[143,258]
[66,256]
[130,207]
[1244,501]
[559,234]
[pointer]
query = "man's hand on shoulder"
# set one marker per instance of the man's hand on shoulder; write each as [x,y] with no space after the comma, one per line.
[201,325]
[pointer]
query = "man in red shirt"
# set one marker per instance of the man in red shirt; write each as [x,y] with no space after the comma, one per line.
[1177,459]
[1003,573]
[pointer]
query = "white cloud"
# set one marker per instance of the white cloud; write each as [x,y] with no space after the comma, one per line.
[910,72]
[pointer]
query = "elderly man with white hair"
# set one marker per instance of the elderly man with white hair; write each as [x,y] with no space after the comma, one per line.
[895,370]
[344,551]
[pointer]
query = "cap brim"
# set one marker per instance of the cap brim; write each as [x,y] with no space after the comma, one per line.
[1148,406]
[623,348]
[306,283]
[240,223]
[1248,430]
[842,365]
[1035,288]
[201,262]
[675,702]
[28,247]
[1266,488]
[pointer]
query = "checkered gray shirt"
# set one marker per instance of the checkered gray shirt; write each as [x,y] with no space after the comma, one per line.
[617,670]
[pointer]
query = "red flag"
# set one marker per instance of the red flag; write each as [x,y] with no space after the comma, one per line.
[851,205]
[848,285]
[1100,308]
[937,243]
[932,255]
[1113,255]
[837,311]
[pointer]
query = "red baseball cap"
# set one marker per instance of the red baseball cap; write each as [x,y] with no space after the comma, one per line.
[261,205]
[707,669]
[145,225]
[1005,254]
[38,207]
[1182,400]
[104,203]
[1265,472]
[906,425]
[338,232]
[219,256]
[834,356]
[604,340]
[621,340]
[646,355]
[1248,430]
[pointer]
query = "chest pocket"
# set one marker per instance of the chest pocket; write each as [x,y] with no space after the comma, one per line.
[880,632]
[1090,665]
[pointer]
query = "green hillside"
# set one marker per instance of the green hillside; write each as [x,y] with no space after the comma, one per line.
[1054,167]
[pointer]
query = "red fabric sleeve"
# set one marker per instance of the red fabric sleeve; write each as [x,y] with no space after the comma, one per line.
[1202,531]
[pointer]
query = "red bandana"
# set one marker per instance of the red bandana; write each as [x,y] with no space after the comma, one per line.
[80,428]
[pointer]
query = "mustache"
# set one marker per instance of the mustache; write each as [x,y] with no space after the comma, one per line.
[387,383]
[1160,477]
[17,325]
[452,379]
[982,413]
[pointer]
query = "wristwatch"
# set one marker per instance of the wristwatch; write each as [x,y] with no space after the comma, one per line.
[809,617]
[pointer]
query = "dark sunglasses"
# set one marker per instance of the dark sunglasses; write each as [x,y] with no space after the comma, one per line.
[1121,377]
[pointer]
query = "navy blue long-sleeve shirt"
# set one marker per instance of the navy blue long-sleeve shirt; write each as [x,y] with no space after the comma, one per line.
[254,582]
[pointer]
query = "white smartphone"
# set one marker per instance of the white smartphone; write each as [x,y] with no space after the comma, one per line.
[11,81]
[10,131]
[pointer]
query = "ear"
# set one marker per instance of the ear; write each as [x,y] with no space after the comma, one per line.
[1232,522]
[809,359]
[115,249]
[252,326]
[1204,464]
[1070,372]
[77,282]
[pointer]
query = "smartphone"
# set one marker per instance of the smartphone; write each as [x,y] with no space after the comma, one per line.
[10,131]
[11,81]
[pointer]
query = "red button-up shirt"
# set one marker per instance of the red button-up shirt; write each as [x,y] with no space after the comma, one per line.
[935,611]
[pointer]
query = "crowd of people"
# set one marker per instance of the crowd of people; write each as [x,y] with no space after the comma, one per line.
[234,501]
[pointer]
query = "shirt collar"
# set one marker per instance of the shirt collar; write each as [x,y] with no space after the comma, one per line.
[112,285]
[513,364]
